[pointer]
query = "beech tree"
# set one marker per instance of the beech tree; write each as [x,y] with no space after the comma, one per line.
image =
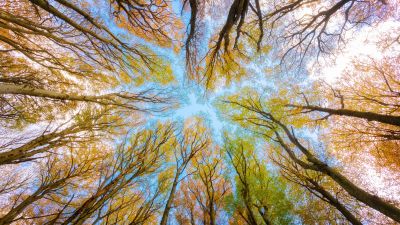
[296,28]
[43,21]
[205,193]
[86,128]
[130,163]
[364,107]
[57,174]
[54,50]
[287,139]
[260,197]
[185,147]
[314,183]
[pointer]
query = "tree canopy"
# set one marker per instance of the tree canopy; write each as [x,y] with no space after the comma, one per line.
[258,112]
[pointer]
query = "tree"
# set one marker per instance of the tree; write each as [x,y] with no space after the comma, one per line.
[86,89]
[314,183]
[154,21]
[204,195]
[361,109]
[140,158]
[57,174]
[54,50]
[194,139]
[97,184]
[286,138]
[260,197]
[30,95]
[85,129]
[296,28]
[41,20]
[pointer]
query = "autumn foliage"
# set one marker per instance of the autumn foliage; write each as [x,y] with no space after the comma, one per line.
[199,112]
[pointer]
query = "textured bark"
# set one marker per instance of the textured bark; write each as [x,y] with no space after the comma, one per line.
[212,213]
[313,163]
[371,200]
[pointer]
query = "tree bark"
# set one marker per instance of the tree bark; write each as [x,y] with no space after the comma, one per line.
[14,212]
[335,203]
[264,215]
[251,217]
[123,100]
[36,92]
[370,116]
[371,200]
[38,194]
[171,196]
[212,213]
[38,145]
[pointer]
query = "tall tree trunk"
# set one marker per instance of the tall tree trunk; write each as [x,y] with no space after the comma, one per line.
[263,210]
[171,196]
[251,218]
[335,203]
[371,200]
[14,212]
[388,119]
[38,145]
[37,92]
[93,203]
[119,99]
[38,194]
[212,213]
[192,218]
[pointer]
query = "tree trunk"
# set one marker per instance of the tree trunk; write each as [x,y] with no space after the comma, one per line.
[388,119]
[38,194]
[14,212]
[246,198]
[371,200]
[212,214]
[30,91]
[38,145]
[335,203]
[263,210]
[171,196]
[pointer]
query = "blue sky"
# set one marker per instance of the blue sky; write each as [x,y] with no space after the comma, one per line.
[191,96]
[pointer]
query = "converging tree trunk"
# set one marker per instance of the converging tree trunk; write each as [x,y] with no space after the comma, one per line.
[370,116]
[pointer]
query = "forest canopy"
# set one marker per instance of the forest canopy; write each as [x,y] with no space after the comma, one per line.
[199,112]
